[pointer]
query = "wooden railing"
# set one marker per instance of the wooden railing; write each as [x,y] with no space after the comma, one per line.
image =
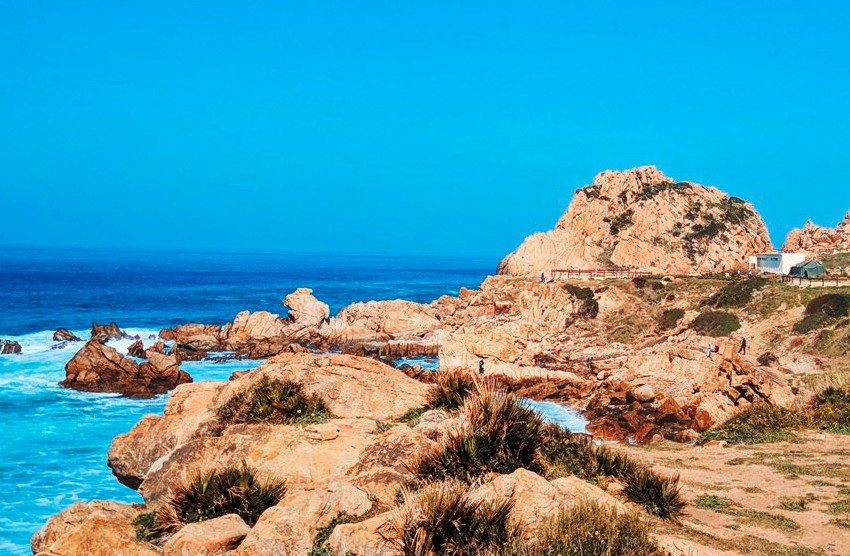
[819,281]
[598,273]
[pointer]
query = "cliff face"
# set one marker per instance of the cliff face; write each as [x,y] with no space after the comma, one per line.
[641,218]
[819,239]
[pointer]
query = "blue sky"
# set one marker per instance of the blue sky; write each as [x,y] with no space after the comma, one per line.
[401,127]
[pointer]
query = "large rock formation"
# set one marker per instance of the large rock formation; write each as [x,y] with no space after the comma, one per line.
[819,239]
[100,368]
[643,219]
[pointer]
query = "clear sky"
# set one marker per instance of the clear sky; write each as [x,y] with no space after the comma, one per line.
[402,127]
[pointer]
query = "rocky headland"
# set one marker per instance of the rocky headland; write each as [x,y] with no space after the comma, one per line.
[354,447]
[820,240]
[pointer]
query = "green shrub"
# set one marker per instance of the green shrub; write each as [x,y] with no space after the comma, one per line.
[595,530]
[658,495]
[589,307]
[830,410]
[735,294]
[231,490]
[734,210]
[811,322]
[670,318]
[451,390]
[144,524]
[716,323]
[324,533]
[274,401]
[565,453]
[498,433]
[411,416]
[757,424]
[832,304]
[442,519]
[620,222]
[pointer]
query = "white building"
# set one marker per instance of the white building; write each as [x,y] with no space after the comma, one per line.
[776,262]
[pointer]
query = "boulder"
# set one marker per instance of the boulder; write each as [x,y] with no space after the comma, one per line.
[371,536]
[65,335]
[9,346]
[108,332]
[207,538]
[100,368]
[136,349]
[304,309]
[277,533]
[643,219]
[95,528]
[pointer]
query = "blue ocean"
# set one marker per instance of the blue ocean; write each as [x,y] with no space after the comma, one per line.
[53,441]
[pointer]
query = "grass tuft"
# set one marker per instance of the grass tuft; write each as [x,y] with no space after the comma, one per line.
[757,424]
[451,390]
[274,401]
[442,518]
[231,490]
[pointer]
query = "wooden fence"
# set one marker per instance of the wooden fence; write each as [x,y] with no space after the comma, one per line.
[598,273]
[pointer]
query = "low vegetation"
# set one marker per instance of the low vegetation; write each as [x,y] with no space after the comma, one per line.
[450,390]
[324,533]
[144,524]
[830,410]
[737,293]
[411,416]
[593,530]
[823,311]
[715,323]
[498,434]
[670,318]
[274,401]
[589,307]
[442,518]
[726,506]
[757,424]
[620,222]
[230,490]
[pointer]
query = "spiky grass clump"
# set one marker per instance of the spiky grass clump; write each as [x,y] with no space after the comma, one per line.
[497,433]
[566,453]
[442,518]
[595,530]
[274,401]
[451,390]
[830,410]
[760,423]
[658,495]
[231,490]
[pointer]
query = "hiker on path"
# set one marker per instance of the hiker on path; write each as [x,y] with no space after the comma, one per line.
[743,348]
[708,350]
[481,366]
[589,363]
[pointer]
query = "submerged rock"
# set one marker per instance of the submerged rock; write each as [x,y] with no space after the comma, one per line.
[100,368]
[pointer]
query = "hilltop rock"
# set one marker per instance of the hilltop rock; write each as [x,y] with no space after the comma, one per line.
[643,219]
[9,346]
[819,239]
[65,335]
[100,368]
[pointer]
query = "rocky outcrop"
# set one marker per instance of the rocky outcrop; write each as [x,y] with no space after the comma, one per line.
[65,335]
[108,332]
[643,219]
[92,528]
[100,368]
[304,309]
[9,346]
[136,349]
[819,239]
[207,538]
[359,391]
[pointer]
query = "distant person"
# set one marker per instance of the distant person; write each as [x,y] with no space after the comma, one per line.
[750,275]
[481,366]
[709,349]
[589,363]
[542,278]
[743,348]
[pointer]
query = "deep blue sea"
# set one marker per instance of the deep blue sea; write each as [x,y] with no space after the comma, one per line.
[53,441]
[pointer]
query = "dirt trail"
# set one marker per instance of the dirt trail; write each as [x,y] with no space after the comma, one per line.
[783,499]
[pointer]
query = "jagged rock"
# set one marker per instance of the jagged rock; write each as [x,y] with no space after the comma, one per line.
[819,239]
[95,528]
[207,538]
[108,332]
[65,335]
[136,349]
[9,346]
[643,219]
[305,309]
[100,368]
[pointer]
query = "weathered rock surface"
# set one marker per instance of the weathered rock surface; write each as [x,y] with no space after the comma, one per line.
[643,219]
[819,239]
[136,349]
[65,335]
[100,368]
[92,528]
[9,346]
[207,538]
[305,309]
[108,332]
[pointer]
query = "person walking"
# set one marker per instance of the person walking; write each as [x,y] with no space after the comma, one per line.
[481,366]
[589,363]
[708,350]
[743,348]
[542,277]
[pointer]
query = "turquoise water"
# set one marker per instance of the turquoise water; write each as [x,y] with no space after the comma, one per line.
[53,441]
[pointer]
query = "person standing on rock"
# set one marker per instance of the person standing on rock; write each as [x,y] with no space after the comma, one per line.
[708,350]
[542,277]
[743,348]
[589,363]
[481,366]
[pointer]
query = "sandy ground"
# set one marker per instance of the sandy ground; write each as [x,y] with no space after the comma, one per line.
[783,499]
